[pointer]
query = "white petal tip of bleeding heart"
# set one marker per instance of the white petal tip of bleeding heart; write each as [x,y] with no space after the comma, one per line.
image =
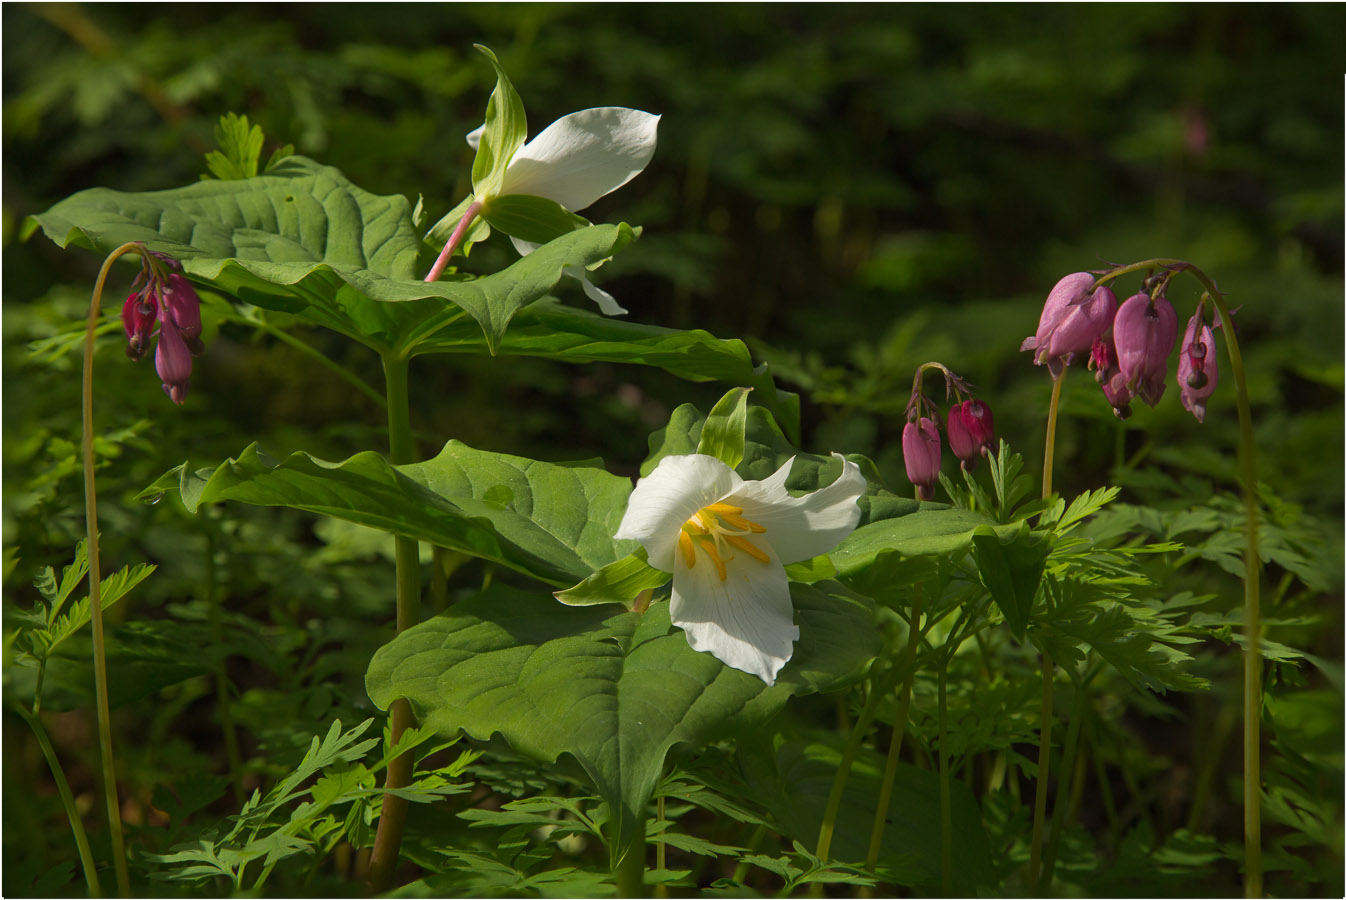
[474,136]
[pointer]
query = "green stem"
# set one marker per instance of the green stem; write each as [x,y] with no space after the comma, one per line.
[1044,766]
[899,728]
[1063,782]
[1252,611]
[828,827]
[660,852]
[1104,784]
[67,799]
[1049,451]
[109,767]
[631,863]
[393,816]
[945,802]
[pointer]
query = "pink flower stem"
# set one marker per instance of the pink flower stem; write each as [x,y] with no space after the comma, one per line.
[455,239]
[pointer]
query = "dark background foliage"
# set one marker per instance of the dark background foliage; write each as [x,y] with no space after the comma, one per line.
[853,189]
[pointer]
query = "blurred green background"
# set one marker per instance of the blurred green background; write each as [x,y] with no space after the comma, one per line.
[852,189]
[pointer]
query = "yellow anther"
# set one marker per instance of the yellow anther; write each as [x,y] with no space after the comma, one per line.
[746,546]
[711,528]
[714,555]
[740,522]
[688,548]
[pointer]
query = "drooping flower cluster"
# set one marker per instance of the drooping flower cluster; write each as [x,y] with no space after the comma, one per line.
[727,542]
[1127,346]
[168,299]
[970,426]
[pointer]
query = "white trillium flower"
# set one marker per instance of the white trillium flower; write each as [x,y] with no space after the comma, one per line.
[727,542]
[577,159]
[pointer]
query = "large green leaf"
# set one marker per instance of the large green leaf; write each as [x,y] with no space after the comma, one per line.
[552,521]
[304,239]
[793,779]
[614,689]
[550,330]
[924,532]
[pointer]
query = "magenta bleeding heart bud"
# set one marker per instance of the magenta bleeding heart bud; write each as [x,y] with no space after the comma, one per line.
[1072,320]
[971,430]
[138,316]
[920,453]
[172,361]
[185,308]
[1144,333]
[1197,371]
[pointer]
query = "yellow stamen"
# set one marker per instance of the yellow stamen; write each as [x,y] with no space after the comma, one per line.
[688,548]
[718,529]
[740,522]
[714,555]
[743,544]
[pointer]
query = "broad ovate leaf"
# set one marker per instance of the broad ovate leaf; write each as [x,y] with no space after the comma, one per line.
[305,240]
[552,521]
[617,690]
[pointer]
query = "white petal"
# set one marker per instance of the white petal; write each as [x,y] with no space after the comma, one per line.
[607,304]
[745,621]
[523,248]
[800,528]
[667,497]
[582,156]
[474,136]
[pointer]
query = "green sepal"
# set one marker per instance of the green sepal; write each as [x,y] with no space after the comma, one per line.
[533,219]
[442,230]
[722,435]
[505,132]
[617,582]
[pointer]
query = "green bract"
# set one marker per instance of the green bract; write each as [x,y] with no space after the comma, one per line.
[505,131]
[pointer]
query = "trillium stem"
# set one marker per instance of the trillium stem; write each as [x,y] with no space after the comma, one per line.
[1252,609]
[109,765]
[899,728]
[393,815]
[459,232]
[631,862]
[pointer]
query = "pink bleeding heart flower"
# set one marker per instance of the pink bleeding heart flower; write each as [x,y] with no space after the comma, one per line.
[1198,373]
[971,429]
[920,454]
[1144,333]
[1072,319]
